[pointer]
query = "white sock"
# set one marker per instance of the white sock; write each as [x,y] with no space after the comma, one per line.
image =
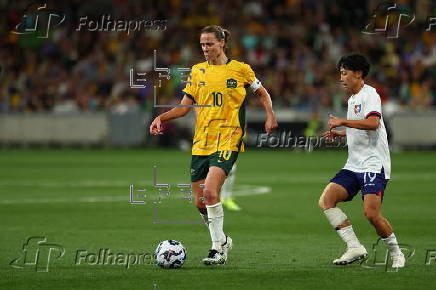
[206,219]
[392,244]
[348,236]
[216,220]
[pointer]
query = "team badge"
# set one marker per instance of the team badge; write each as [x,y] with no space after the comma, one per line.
[357,109]
[232,83]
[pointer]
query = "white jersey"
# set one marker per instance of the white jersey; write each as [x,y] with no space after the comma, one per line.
[368,150]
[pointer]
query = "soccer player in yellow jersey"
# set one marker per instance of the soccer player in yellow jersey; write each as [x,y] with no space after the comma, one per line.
[218,88]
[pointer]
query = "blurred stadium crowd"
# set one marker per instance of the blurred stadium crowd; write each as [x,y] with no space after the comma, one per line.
[293,47]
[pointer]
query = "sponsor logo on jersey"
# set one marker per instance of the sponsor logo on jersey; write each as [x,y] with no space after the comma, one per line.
[232,83]
[357,109]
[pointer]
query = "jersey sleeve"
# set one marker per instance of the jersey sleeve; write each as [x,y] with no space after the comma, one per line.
[191,86]
[250,80]
[372,105]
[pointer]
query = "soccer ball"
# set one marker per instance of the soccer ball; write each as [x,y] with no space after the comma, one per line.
[170,254]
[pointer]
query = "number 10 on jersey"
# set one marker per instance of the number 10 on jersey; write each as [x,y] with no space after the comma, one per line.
[217,99]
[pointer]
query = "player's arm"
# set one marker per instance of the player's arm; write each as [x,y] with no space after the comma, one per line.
[174,113]
[265,99]
[370,123]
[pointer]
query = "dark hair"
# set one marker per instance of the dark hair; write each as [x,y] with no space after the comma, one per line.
[220,33]
[355,62]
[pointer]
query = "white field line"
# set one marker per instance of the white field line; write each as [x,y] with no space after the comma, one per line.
[283,178]
[241,190]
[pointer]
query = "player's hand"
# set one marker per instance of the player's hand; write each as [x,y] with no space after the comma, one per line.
[156,127]
[334,122]
[271,125]
[332,134]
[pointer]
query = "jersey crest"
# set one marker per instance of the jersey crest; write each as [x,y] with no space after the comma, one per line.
[357,109]
[232,83]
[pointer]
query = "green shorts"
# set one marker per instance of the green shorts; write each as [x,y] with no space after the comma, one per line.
[200,163]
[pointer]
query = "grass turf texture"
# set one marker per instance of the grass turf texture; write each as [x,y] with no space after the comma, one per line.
[79,199]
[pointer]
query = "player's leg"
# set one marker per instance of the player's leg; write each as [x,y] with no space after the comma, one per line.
[212,187]
[333,194]
[211,193]
[221,163]
[372,210]
[199,203]
[199,170]
[198,187]
[227,191]
[343,187]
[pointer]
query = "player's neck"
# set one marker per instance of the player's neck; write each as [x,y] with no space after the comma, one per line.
[357,88]
[220,60]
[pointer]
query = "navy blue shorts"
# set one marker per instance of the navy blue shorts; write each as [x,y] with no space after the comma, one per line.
[367,182]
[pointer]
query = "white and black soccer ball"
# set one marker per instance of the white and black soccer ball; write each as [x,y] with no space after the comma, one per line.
[170,254]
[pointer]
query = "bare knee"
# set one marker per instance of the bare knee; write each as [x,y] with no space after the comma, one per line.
[211,196]
[326,203]
[332,194]
[321,203]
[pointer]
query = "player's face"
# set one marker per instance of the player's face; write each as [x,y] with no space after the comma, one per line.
[350,80]
[211,46]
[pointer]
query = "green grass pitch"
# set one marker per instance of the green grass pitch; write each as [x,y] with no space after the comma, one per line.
[79,199]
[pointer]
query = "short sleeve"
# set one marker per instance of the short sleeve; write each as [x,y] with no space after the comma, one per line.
[250,80]
[372,105]
[249,76]
[191,86]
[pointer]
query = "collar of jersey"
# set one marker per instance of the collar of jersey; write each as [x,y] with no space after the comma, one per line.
[352,96]
[228,61]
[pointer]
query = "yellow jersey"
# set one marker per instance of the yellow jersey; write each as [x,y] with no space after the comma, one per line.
[219,91]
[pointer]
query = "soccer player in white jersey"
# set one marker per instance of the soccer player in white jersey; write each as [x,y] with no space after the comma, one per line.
[368,166]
